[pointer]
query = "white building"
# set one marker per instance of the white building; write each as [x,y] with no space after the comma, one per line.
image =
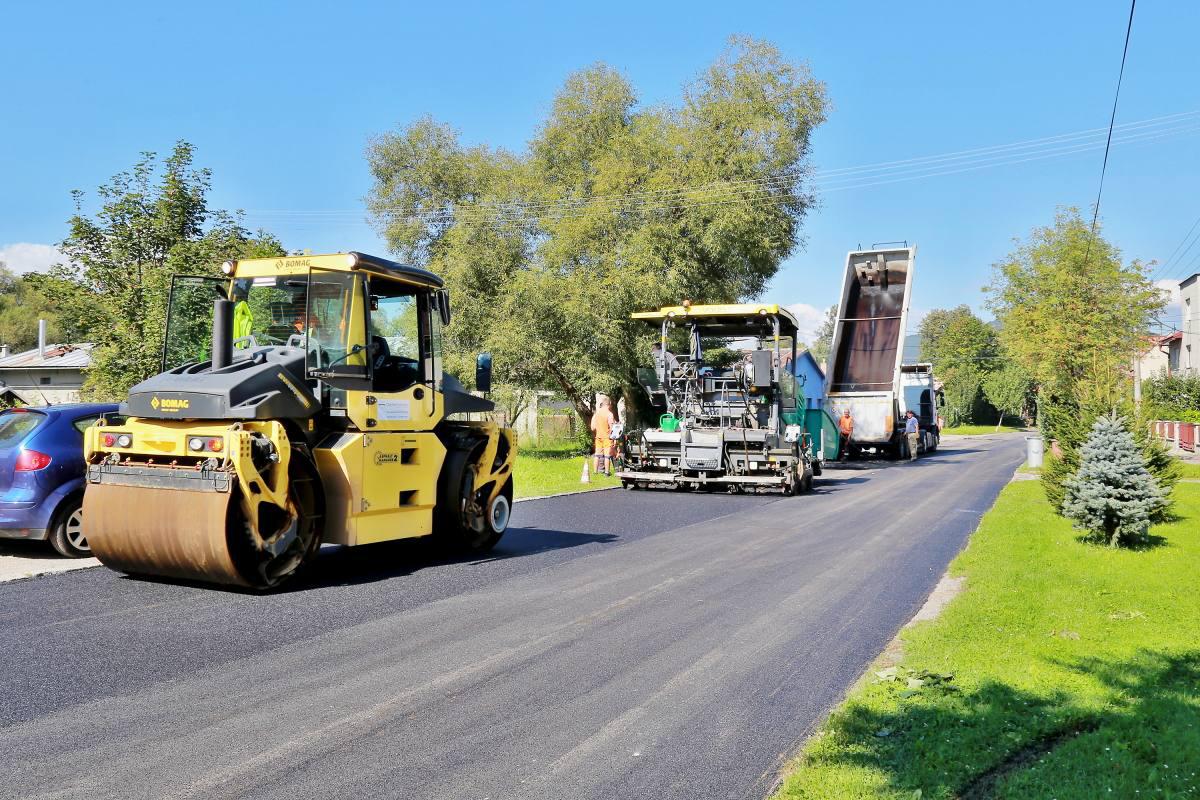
[49,374]
[1189,351]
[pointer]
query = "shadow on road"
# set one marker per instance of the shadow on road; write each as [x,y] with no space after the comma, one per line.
[338,566]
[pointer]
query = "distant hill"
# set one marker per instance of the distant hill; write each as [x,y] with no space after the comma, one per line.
[912,344]
[912,348]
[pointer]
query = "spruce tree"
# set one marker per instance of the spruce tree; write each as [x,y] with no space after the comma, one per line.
[1112,495]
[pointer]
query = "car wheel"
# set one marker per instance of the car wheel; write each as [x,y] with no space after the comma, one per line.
[66,534]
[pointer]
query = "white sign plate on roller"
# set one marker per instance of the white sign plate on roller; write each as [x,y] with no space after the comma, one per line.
[393,411]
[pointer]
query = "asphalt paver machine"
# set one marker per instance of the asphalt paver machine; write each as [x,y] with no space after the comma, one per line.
[302,400]
[734,424]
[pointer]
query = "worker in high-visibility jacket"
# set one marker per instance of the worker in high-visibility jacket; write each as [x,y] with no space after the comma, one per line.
[845,431]
[243,318]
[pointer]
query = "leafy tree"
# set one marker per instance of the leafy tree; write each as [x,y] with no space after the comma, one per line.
[823,341]
[1175,397]
[1112,495]
[1069,307]
[614,207]
[1007,389]
[22,304]
[961,387]
[153,222]
[953,338]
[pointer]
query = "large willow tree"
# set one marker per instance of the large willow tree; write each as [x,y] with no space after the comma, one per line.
[613,207]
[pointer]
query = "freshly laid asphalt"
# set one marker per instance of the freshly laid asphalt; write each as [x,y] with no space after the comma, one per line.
[614,645]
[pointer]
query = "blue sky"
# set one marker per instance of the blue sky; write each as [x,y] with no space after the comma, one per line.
[281,99]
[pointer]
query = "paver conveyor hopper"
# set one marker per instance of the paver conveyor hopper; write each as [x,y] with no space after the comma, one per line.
[302,400]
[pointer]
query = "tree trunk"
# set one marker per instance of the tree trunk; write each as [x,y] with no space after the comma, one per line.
[582,407]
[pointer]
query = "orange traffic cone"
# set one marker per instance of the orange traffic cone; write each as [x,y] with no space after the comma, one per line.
[586,477]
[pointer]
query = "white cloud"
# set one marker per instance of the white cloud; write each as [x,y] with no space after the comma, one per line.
[808,319]
[1170,288]
[29,257]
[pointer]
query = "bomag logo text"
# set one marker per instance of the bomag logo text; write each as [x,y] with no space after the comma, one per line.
[168,404]
[291,263]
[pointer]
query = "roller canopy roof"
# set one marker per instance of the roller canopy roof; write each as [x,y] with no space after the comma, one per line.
[342,262]
[737,319]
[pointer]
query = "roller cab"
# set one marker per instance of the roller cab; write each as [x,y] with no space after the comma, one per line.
[301,401]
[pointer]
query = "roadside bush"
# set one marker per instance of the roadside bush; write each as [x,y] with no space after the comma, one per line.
[1112,495]
[1174,397]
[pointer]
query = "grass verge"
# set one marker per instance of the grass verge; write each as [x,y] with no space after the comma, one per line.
[1064,670]
[980,430]
[552,471]
[1189,470]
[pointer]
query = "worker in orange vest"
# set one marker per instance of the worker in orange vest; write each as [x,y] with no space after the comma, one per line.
[846,429]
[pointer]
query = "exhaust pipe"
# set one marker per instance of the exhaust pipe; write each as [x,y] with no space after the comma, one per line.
[222,338]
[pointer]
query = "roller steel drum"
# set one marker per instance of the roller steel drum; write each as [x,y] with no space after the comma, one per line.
[151,531]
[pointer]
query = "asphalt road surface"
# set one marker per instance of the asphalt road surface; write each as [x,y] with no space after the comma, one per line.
[616,645]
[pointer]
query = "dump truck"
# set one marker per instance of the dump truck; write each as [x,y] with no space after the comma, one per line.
[728,419]
[301,401]
[867,375]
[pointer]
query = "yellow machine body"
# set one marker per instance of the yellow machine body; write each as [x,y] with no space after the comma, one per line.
[220,500]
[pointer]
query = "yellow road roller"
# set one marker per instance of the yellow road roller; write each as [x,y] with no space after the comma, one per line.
[301,401]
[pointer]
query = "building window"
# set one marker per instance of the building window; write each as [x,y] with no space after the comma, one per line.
[46,380]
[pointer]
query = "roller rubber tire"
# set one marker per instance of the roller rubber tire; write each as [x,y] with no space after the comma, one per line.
[449,525]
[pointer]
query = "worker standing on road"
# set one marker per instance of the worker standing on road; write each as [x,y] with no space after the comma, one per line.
[845,430]
[602,425]
[912,432]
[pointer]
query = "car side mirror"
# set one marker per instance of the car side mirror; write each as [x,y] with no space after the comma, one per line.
[443,305]
[483,372]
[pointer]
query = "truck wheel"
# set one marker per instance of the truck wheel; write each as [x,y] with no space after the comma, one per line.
[66,534]
[817,469]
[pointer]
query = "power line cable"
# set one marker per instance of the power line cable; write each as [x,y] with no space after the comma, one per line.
[821,178]
[1111,121]
[1170,258]
[517,213]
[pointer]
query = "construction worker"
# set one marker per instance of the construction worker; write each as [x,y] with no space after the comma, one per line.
[243,319]
[845,430]
[602,425]
[912,432]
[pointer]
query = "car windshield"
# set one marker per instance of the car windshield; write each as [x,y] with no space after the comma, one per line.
[16,425]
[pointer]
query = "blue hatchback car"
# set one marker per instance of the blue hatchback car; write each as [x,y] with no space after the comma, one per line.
[42,473]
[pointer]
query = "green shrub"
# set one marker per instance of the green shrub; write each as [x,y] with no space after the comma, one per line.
[1173,397]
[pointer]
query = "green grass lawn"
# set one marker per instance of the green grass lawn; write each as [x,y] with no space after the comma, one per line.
[551,471]
[1190,470]
[979,430]
[1064,670]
